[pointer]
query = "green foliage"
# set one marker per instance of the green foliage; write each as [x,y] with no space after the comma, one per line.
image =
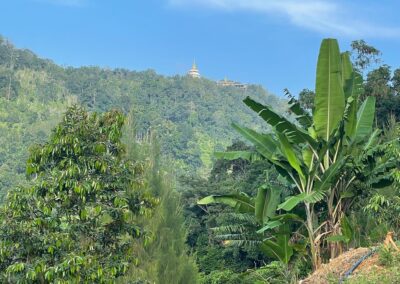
[383,84]
[279,247]
[272,273]
[347,232]
[191,117]
[262,209]
[166,258]
[388,257]
[77,222]
[221,277]
[383,203]
[216,232]
[378,82]
[329,94]
[267,200]
[306,99]
[323,157]
[364,55]
[22,123]
[240,202]
[344,175]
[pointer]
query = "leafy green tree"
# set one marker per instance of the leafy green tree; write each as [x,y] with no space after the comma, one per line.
[378,82]
[364,55]
[381,84]
[396,81]
[77,223]
[306,99]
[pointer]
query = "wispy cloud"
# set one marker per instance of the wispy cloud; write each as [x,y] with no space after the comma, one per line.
[71,3]
[332,17]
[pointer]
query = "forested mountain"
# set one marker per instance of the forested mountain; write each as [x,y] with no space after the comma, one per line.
[193,116]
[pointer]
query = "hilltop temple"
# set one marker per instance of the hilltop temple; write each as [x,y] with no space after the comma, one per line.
[194,72]
[230,83]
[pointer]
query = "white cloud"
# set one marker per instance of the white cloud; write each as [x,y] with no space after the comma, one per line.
[328,17]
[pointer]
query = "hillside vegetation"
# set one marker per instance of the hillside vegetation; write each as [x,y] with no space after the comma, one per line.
[193,116]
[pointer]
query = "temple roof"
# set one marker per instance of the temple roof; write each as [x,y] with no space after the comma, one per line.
[194,72]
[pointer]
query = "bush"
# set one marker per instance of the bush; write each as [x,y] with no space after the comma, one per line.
[221,277]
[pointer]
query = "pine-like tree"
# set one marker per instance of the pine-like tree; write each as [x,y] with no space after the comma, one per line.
[166,259]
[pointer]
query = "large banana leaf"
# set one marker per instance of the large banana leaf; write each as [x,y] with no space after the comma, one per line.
[306,197]
[269,226]
[365,119]
[267,200]
[279,248]
[372,140]
[265,143]
[351,116]
[292,201]
[287,217]
[281,124]
[279,220]
[267,147]
[240,202]
[346,73]
[288,150]
[287,172]
[307,158]
[354,91]
[329,175]
[329,97]
[302,116]
[347,229]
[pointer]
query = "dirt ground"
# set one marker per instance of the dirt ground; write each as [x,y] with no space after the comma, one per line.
[337,267]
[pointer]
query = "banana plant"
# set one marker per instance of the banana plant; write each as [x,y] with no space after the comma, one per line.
[263,208]
[347,234]
[319,153]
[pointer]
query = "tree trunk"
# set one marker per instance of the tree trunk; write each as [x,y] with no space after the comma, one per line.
[334,228]
[314,246]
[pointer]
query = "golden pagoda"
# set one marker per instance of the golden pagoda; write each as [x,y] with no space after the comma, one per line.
[194,72]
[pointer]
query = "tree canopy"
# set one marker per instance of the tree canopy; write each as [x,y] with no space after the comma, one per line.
[80,213]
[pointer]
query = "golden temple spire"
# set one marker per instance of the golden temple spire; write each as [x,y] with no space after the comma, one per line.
[194,72]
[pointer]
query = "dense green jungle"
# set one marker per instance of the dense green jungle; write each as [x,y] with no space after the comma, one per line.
[118,176]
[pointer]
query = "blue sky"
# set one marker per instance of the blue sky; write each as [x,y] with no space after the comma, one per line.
[269,42]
